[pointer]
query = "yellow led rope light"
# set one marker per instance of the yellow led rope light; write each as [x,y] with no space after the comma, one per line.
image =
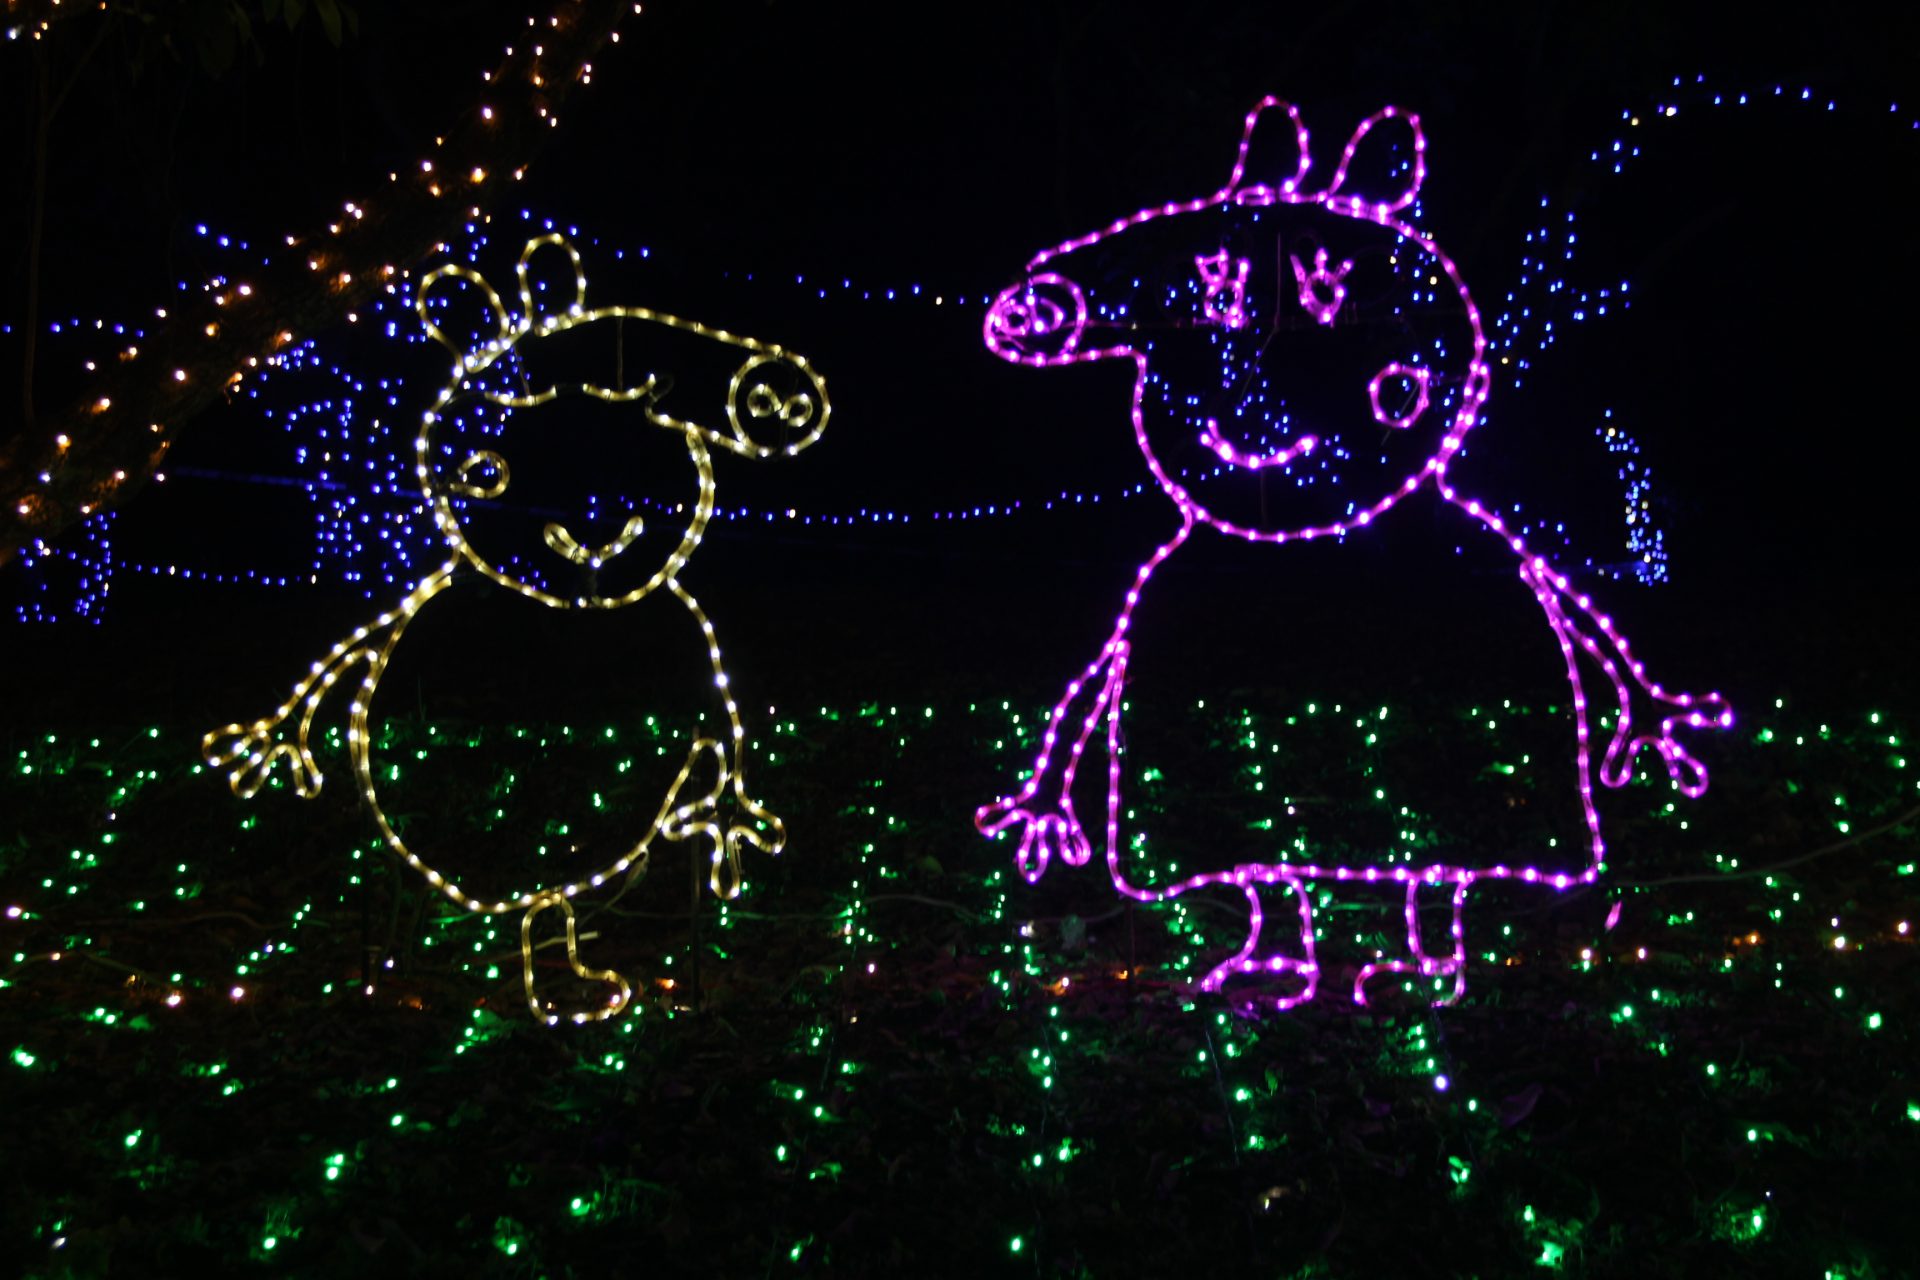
[250,751]
[573,958]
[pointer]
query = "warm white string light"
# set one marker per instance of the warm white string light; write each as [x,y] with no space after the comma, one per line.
[250,751]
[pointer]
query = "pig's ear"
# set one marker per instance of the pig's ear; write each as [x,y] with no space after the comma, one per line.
[1380,169]
[1273,156]
[555,288]
[463,314]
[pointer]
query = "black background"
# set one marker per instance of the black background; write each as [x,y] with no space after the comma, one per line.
[1764,367]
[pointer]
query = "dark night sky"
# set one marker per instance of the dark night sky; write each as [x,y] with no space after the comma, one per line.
[1763,368]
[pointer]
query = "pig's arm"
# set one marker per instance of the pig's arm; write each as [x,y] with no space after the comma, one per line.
[1041,813]
[1582,630]
[248,752]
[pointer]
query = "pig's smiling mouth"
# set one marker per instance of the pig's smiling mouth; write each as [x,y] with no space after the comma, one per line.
[560,540]
[1297,447]
[1397,411]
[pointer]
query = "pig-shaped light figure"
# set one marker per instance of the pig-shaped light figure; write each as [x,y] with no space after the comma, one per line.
[771,404]
[1305,338]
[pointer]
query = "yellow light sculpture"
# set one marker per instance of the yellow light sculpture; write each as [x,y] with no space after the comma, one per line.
[756,390]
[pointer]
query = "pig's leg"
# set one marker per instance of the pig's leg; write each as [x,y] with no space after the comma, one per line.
[1249,962]
[1451,964]
[544,1010]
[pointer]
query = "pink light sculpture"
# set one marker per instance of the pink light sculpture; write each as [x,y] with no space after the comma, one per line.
[1382,284]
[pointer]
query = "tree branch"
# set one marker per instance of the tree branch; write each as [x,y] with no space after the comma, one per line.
[102,448]
[45,108]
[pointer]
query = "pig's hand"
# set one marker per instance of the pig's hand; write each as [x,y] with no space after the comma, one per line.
[1042,832]
[249,752]
[1638,710]
[1041,814]
[1655,726]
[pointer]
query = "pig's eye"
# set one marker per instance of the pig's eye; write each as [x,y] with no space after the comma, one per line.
[1321,290]
[1223,290]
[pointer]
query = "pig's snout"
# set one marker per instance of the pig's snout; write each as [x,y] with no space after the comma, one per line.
[1038,321]
[777,403]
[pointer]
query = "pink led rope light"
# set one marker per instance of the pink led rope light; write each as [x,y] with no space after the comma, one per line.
[1322,306]
[1422,379]
[1044,321]
[1226,285]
